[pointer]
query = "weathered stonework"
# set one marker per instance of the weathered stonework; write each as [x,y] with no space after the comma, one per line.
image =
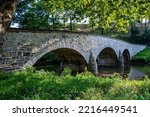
[93,64]
[20,48]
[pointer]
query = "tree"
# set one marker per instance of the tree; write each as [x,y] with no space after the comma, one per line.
[105,15]
[109,14]
[33,14]
[73,11]
[7,8]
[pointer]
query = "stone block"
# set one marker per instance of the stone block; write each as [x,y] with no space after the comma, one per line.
[1,44]
[26,53]
[20,53]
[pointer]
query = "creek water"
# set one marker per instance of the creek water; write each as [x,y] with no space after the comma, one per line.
[133,71]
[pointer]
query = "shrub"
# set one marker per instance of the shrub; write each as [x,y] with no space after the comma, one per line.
[32,84]
[142,57]
[135,30]
[146,36]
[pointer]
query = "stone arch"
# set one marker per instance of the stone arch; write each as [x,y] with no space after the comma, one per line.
[65,57]
[126,56]
[53,48]
[99,49]
[69,55]
[107,57]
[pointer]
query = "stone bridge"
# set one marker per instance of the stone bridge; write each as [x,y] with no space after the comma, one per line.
[20,48]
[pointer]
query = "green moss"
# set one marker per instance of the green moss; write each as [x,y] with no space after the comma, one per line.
[32,84]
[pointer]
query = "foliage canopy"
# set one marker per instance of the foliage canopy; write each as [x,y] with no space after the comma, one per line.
[102,14]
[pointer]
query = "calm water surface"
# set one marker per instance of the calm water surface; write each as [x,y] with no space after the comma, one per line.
[134,72]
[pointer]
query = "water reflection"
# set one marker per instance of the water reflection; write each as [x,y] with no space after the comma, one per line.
[59,67]
[134,72]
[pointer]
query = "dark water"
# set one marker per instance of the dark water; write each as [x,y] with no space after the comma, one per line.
[58,68]
[134,72]
[139,71]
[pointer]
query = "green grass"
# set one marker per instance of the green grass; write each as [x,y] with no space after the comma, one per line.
[143,56]
[39,85]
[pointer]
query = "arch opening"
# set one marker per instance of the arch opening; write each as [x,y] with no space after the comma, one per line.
[126,56]
[59,59]
[107,57]
[107,61]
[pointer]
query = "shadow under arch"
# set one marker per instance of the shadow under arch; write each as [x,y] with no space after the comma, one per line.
[126,56]
[60,58]
[107,57]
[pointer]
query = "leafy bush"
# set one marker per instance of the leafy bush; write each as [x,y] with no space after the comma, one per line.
[32,84]
[146,36]
[135,30]
[142,57]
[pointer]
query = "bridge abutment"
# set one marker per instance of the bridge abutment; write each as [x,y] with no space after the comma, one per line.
[121,60]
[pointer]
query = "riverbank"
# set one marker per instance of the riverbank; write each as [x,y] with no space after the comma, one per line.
[32,84]
[142,57]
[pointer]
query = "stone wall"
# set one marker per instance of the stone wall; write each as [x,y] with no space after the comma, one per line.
[13,54]
[19,49]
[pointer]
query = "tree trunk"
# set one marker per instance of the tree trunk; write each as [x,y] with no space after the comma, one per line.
[64,22]
[102,31]
[145,22]
[3,4]
[53,23]
[70,24]
[141,24]
[9,6]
